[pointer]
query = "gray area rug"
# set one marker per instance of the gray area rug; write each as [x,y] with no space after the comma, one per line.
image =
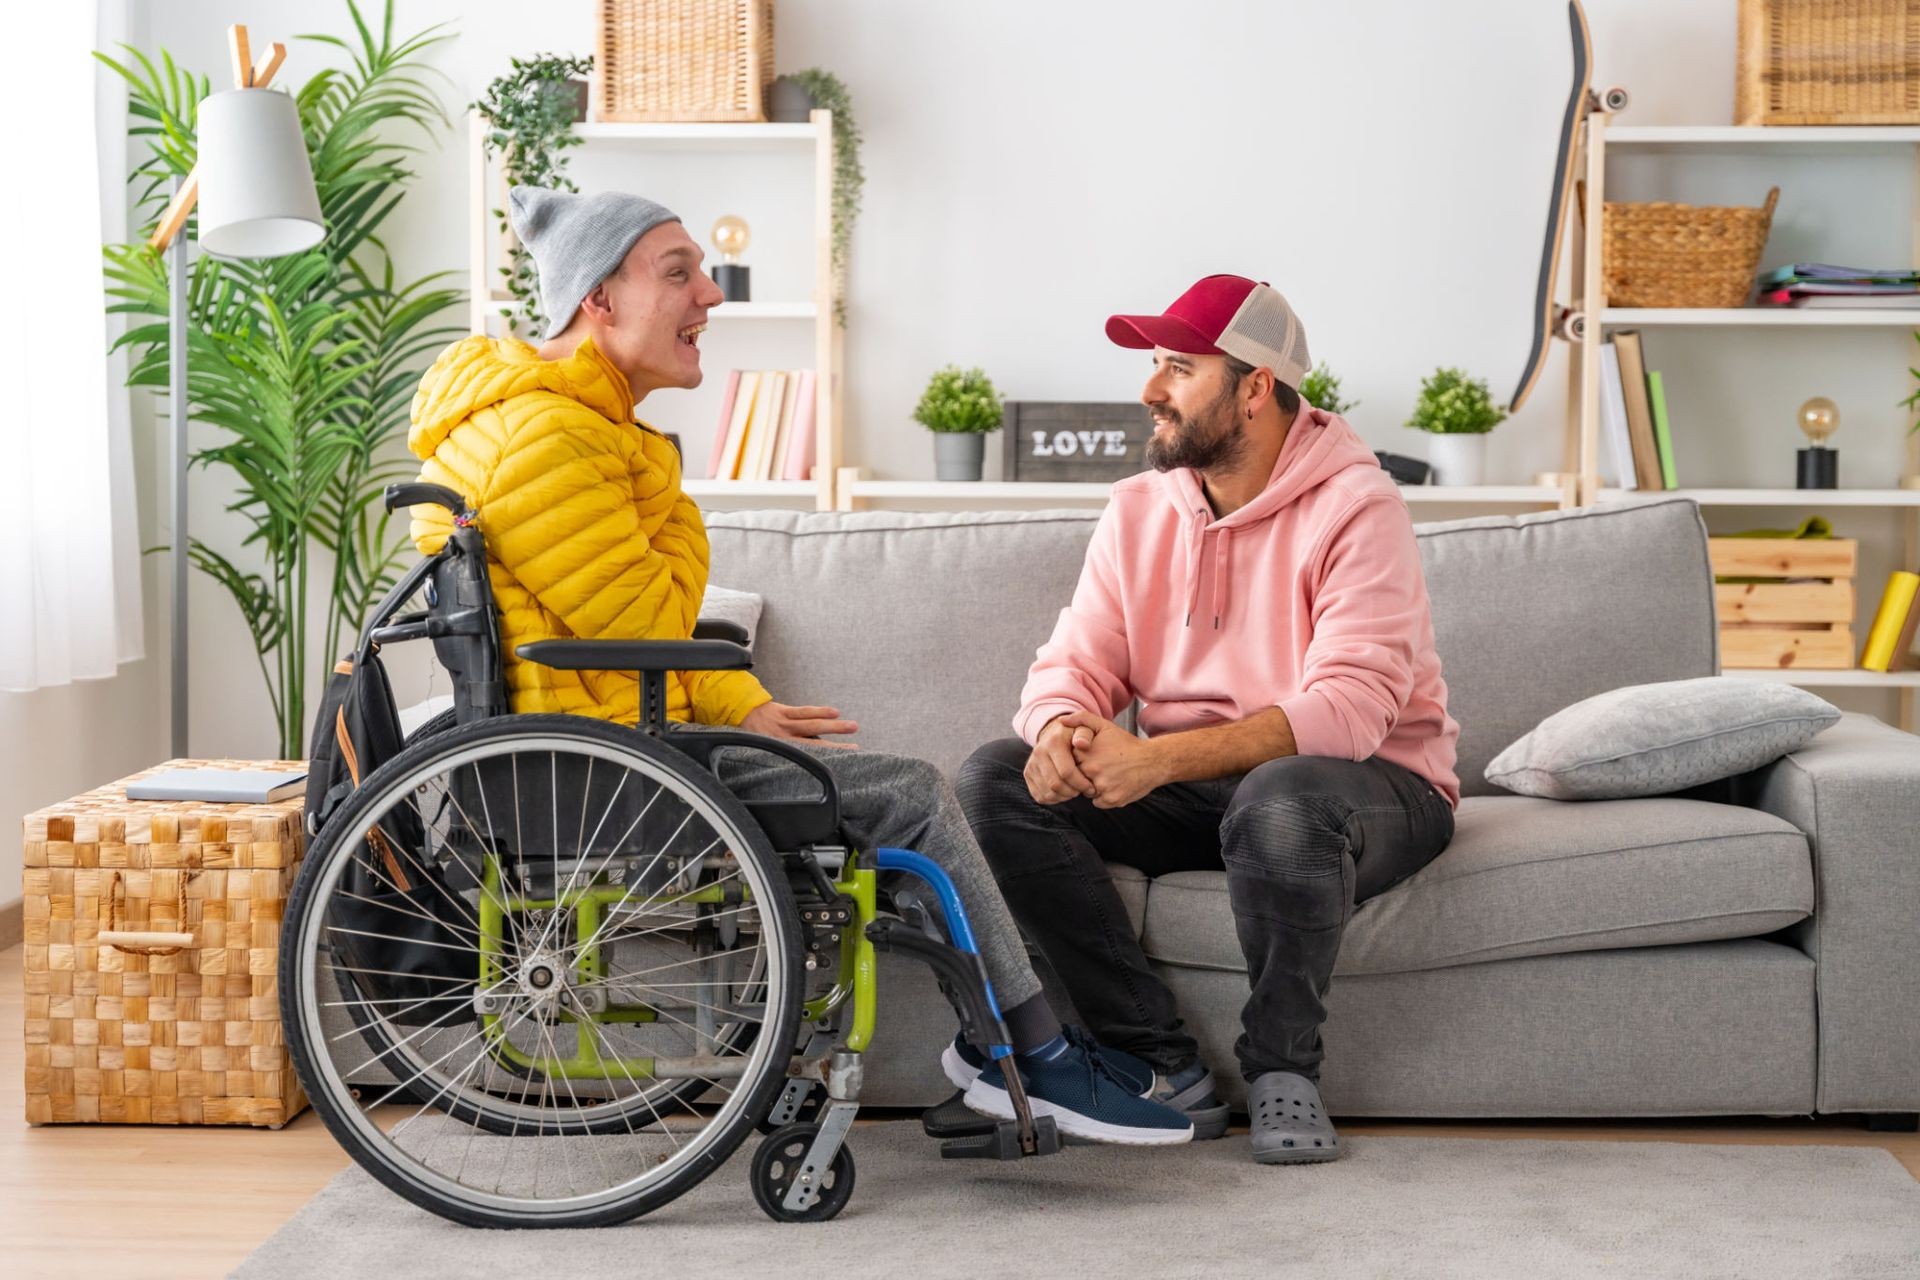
[1392,1207]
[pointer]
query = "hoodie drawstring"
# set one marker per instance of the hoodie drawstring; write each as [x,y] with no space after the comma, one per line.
[1220,574]
[1196,537]
[1203,528]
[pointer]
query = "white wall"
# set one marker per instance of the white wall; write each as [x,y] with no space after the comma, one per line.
[1033,167]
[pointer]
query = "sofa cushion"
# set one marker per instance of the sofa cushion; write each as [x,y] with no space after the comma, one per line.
[1654,739]
[1534,613]
[1529,877]
[921,626]
[742,608]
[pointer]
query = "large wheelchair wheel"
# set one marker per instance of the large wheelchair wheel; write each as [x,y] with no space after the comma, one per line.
[541,971]
[407,1056]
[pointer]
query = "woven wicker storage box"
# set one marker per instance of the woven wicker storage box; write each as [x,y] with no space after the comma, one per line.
[1680,255]
[685,59]
[132,1034]
[1828,62]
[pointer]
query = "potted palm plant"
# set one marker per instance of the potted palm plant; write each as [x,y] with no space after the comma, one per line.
[1457,411]
[303,365]
[960,407]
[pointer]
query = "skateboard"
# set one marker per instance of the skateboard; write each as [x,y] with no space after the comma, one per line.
[1549,317]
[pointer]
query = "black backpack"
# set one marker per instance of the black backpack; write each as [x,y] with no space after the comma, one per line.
[390,922]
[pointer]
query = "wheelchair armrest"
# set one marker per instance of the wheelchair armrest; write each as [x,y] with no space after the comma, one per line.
[719,629]
[637,655]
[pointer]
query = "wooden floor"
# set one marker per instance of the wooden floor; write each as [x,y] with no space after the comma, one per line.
[87,1200]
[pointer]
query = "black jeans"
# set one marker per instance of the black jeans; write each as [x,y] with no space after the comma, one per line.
[1302,839]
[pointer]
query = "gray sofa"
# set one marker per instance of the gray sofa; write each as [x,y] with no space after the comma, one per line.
[1754,949]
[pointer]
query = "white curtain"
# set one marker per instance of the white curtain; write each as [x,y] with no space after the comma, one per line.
[69,552]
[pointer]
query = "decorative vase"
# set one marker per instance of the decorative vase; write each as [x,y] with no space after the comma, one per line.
[788,102]
[579,88]
[1459,457]
[958,455]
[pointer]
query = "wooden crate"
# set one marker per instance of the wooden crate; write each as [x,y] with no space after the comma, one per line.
[1078,441]
[191,1037]
[1801,615]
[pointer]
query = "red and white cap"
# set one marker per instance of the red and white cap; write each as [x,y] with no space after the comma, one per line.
[1225,315]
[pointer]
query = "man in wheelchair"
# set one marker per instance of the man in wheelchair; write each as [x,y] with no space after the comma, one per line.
[588,536]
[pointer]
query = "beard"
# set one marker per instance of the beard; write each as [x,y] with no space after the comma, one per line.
[1214,439]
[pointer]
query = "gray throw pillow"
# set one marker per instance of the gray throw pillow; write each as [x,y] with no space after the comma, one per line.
[1652,739]
[739,607]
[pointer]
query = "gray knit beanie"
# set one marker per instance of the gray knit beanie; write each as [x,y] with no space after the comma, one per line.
[577,241]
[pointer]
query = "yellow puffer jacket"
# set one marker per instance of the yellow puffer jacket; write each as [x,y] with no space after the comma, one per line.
[587,532]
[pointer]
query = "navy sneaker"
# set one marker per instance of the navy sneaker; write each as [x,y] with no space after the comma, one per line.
[1086,1097]
[963,1064]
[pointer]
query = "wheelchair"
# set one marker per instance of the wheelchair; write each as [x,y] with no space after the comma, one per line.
[546,971]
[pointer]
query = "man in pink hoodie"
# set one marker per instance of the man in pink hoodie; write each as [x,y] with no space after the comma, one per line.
[1259,592]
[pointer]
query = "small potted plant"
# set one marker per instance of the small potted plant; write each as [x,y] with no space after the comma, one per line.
[1457,411]
[960,407]
[1321,389]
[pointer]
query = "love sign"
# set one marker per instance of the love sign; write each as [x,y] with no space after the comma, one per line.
[1074,440]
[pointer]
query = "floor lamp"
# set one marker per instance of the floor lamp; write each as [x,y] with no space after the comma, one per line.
[254,185]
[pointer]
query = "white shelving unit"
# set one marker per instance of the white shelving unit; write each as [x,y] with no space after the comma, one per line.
[1807,678]
[1899,144]
[1760,318]
[1773,497]
[855,490]
[745,141]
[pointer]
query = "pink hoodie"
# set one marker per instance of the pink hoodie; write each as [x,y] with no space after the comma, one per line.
[1309,598]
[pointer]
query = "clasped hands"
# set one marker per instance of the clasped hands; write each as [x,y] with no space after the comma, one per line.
[1081,754]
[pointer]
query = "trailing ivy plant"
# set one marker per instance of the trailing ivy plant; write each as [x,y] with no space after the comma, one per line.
[829,94]
[531,112]
[306,364]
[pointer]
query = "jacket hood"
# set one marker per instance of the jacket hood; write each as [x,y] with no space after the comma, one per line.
[1318,447]
[479,372]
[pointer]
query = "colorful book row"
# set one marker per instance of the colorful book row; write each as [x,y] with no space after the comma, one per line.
[767,426]
[1889,645]
[1636,440]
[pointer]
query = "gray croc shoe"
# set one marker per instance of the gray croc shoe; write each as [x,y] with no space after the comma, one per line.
[1288,1124]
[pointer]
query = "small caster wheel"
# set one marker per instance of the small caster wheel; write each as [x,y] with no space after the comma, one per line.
[781,1161]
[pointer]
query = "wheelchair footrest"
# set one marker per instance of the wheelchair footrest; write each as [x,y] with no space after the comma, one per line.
[955,1119]
[1003,1142]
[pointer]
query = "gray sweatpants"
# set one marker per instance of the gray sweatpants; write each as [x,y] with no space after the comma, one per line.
[898,802]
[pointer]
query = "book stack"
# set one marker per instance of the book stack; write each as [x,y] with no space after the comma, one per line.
[1889,645]
[767,426]
[1636,442]
[1821,285]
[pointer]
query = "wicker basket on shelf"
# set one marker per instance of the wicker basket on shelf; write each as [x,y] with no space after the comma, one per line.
[1679,255]
[685,60]
[1813,62]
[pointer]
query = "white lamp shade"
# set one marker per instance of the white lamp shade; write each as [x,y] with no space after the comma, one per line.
[256,185]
